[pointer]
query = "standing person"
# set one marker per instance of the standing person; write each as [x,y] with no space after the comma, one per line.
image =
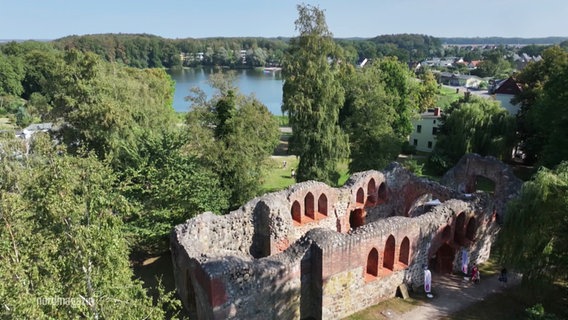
[475,274]
[503,276]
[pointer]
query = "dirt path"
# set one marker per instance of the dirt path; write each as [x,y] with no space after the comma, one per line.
[452,293]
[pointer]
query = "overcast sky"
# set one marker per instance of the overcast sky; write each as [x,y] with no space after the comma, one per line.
[51,19]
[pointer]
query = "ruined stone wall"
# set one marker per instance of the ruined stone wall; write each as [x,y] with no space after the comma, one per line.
[313,251]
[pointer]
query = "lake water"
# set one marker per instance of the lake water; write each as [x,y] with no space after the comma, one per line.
[265,85]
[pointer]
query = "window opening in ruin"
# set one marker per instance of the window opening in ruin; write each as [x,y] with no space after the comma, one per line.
[388,256]
[446,233]
[404,254]
[296,212]
[360,197]
[371,193]
[309,206]
[382,192]
[418,128]
[322,205]
[470,229]
[480,183]
[372,270]
[459,229]
[357,218]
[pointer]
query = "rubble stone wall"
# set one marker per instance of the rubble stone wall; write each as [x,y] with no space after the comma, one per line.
[313,251]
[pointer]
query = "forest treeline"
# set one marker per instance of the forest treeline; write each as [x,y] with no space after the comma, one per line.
[143,50]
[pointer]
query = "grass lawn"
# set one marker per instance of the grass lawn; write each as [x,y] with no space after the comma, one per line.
[278,177]
[446,97]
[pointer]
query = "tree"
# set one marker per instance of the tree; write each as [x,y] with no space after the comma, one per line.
[541,120]
[429,91]
[473,125]
[312,98]
[12,74]
[368,116]
[233,135]
[534,237]
[166,186]
[62,242]
[105,106]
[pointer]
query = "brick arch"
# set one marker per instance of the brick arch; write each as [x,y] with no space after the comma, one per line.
[296,212]
[404,252]
[360,196]
[459,228]
[322,204]
[309,209]
[382,193]
[371,193]
[372,268]
[446,233]
[389,253]
[470,229]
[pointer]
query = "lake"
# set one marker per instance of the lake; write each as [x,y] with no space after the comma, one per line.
[265,85]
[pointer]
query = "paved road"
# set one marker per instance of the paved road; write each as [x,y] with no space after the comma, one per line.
[452,293]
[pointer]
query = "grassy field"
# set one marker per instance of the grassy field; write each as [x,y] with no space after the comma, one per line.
[446,97]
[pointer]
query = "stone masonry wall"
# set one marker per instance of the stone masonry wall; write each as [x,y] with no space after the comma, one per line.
[313,251]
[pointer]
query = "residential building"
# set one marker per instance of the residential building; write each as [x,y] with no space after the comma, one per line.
[425,130]
[504,91]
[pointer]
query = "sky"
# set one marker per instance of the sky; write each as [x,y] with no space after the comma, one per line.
[52,19]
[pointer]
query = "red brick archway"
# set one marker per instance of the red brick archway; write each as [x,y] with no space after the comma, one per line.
[404,254]
[388,255]
[372,269]
[360,197]
[443,261]
[309,206]
[459,229]
[296,212]
[322,204]
[471,229]
[371,193]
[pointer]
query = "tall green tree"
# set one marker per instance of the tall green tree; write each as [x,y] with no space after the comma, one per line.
[541,120]
[233,135]
[473,125]
[534,239]
[313,96]
[367,117]
[105,106]
[62,244]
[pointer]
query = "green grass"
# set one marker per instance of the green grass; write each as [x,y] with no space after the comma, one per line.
[278,177]
[446,97]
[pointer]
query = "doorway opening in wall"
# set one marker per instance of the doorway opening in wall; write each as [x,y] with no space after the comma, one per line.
[443,260]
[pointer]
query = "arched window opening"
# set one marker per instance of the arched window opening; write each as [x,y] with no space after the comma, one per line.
[322,205]
[296,212]
[357,218]
[360,198]
[404,254]
[388,256]
[372,264]
[309,206]
[446,233]
[459,229]
[382,192]
[471,229]
[371,193]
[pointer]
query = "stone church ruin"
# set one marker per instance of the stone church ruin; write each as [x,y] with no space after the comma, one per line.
[314,251]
